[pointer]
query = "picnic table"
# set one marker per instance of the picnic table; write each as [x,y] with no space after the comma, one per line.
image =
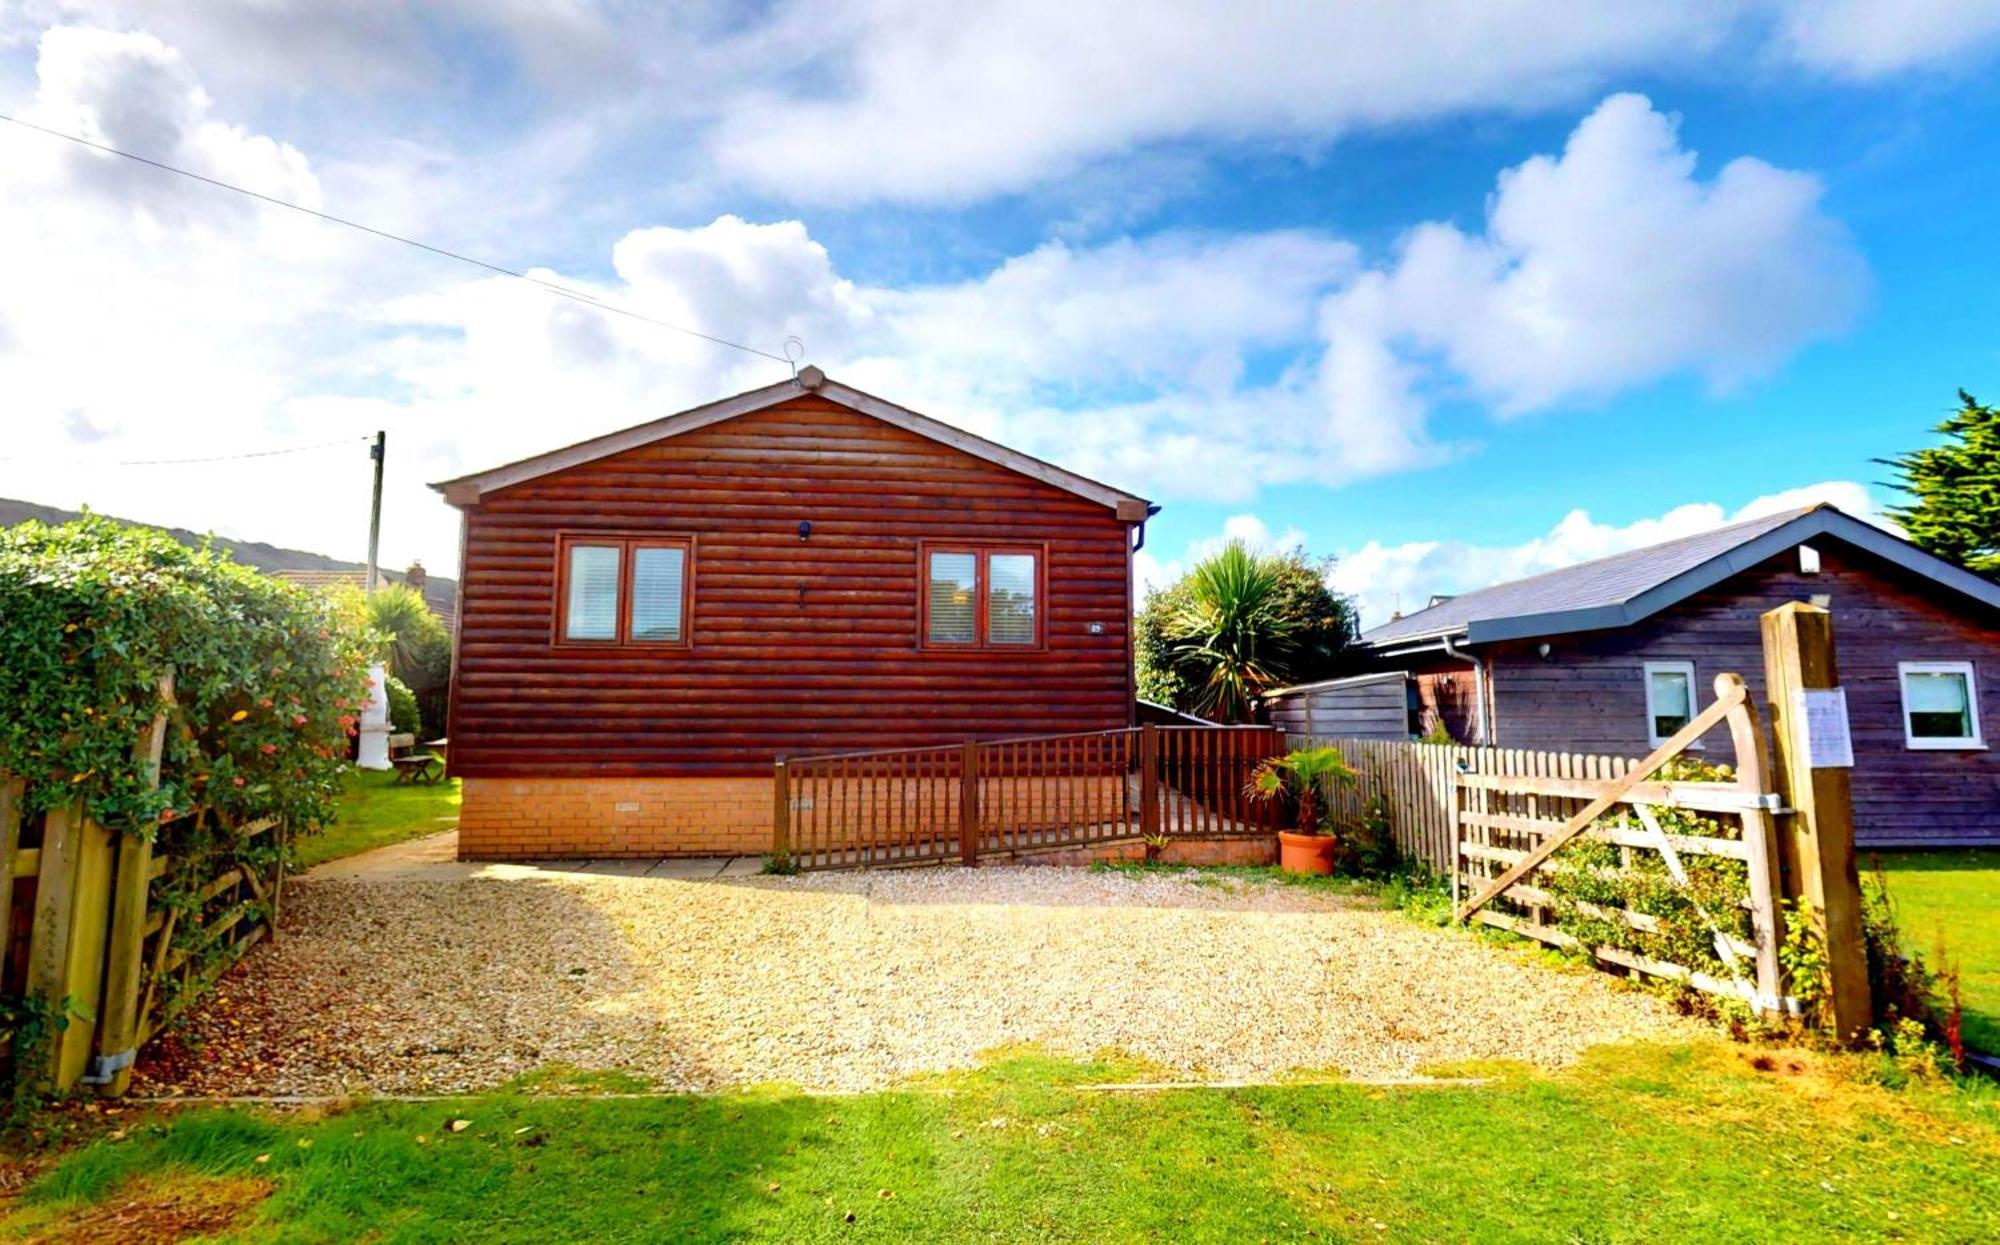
[414,767]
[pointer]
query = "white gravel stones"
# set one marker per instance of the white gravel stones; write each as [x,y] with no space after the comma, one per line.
[853,981]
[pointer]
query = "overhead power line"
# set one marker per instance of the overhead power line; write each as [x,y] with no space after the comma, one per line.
[182,462]
[560,291]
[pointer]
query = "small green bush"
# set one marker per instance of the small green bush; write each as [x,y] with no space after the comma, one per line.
[403,716]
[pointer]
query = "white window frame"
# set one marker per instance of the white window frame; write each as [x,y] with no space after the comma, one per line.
[1969,743]
[1669,667]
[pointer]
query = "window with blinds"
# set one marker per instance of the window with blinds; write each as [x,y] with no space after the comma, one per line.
[657,590]
[982,597]
[593,592]
[1010,598]
[619,589]
[954,598]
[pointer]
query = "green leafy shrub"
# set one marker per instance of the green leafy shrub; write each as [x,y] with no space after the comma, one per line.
[1367,847]
[403,716]
[267,679]
[1590,880]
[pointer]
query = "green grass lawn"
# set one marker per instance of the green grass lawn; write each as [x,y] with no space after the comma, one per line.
[1640,1143]
[1955,894]
[375,812]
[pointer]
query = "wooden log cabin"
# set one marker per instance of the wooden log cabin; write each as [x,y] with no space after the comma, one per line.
[1610,657]
[649,619]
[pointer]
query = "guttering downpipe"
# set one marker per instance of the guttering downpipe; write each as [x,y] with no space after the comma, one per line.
[1478,689]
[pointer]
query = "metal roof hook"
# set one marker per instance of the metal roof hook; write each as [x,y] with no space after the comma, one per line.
[795,352]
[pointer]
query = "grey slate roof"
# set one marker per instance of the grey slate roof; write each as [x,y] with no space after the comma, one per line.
[1626,587]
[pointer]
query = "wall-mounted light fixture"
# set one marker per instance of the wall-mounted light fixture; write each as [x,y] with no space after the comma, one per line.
[1543,648]
[805,528]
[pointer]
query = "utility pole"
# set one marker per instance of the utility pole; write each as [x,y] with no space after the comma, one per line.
[377,452]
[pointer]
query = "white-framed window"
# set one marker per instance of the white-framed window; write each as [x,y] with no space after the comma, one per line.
[1940,704]
[1669,699]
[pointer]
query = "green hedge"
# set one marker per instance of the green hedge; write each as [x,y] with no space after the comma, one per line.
[268,680]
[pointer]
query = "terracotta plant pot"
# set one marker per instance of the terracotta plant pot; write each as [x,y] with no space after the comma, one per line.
[1305,853]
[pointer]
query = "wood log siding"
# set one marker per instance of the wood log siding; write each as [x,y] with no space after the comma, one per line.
[1589,695]
[770,672]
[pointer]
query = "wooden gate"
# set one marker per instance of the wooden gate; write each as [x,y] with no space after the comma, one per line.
[86,928]
[1656,848]
[1012,797]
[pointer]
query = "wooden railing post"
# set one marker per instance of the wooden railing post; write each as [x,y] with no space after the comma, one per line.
[968,804]
[1149,780]
[1802,681]
[781,812]
[1760,842]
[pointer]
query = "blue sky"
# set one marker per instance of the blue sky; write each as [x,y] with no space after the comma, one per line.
[1454,290]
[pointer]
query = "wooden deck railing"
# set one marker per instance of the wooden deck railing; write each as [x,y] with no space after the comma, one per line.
[1008,797]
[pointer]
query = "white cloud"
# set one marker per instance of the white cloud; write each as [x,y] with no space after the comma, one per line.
[1386,578]
[1606,267]
[900,99]
[1870,38]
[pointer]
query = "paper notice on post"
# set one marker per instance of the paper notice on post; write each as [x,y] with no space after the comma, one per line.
[1822,711]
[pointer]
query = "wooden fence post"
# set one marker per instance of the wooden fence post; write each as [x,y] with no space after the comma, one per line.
[1818,853]
[781,812]
[66,949]
[968,804]
[11,792]
[1149,780]
[1760,842]
[118,1033]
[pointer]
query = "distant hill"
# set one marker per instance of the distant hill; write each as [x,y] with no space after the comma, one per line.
[442,593]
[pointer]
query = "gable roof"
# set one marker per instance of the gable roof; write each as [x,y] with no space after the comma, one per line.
[465,490]
[1627,587]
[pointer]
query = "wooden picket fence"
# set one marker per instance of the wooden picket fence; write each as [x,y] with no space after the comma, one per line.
[84,931]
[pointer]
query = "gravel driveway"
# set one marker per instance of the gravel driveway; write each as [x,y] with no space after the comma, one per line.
[850,981]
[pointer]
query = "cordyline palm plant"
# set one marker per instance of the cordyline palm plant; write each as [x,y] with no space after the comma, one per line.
[1309,777]
[1231,639]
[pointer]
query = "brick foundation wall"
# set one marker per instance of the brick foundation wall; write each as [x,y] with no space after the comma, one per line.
[550,818]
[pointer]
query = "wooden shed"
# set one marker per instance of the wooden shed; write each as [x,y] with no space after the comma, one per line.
[649,619]
[1362,706]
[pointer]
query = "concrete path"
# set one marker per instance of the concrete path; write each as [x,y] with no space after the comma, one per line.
[434,858]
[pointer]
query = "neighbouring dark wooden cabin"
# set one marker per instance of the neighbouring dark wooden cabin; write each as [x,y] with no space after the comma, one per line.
[649,619]
[1612,656]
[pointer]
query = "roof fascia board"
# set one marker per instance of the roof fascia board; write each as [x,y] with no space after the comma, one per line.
[769,396]
[1864,536]
[1428,638]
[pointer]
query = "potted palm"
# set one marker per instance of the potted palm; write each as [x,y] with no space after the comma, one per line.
[1306,781]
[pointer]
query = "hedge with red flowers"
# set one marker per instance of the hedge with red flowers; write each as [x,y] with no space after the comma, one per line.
[267,678]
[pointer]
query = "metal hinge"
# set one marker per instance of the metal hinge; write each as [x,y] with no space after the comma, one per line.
[104,1067]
